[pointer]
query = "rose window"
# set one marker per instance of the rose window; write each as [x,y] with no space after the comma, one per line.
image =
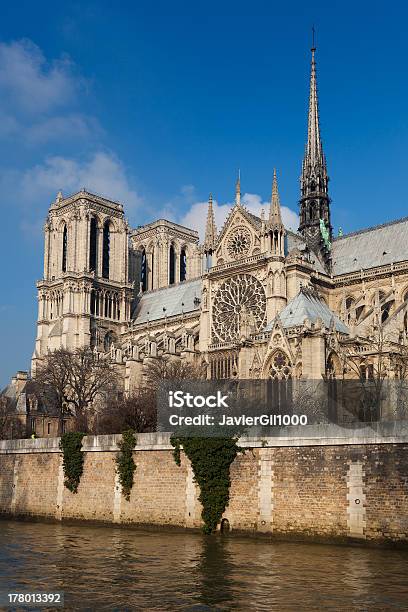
[239,242]
[280,367]
[240,303]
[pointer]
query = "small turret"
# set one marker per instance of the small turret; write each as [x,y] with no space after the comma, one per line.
[210,229]
[238,190]
[276,229]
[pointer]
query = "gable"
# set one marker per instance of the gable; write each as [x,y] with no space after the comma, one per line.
[239,237]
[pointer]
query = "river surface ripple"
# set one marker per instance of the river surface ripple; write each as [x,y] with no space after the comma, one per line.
[112,568]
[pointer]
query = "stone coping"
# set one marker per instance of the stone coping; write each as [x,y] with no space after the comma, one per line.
[395,432]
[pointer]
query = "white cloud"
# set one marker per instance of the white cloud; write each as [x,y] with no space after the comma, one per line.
[30,83]
[197,214]
[102,174]
[38,97]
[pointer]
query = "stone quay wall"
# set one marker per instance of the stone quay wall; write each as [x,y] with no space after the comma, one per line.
[318,482]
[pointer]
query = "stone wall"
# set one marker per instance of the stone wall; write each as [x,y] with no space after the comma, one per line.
[325,484]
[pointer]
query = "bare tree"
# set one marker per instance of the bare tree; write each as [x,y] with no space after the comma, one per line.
[371,362]
[137,412]
[72,381]
[52,383]
[173,369]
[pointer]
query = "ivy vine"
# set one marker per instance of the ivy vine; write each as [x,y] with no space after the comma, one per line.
[125,464]
[73,459]
[211,459]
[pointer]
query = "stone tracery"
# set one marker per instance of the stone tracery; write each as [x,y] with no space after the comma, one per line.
[280,367]
[239,299]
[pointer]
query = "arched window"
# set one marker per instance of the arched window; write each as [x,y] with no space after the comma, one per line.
[280,367]
[350,308]
[333,367]
[108,341]
[143,271]
[183,265]
[172,265]
[106,250]
[64,248]
[93,236]
[280,390]
[312,211]
[94,337]
[93,302]
[386,310]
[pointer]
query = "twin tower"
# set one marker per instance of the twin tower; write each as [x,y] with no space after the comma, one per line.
[95,266]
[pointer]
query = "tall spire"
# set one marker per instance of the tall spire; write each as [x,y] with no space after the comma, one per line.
[238,189]
[314,150]
[314,200]
[275,217]
[210,228]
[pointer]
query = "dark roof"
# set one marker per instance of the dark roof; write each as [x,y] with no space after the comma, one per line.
[307,304]
[371,247]
[168,301]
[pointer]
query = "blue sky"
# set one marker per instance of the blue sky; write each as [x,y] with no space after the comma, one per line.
[158,108]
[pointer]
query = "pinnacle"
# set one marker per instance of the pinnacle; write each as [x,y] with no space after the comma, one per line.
[275,217]
[210,228]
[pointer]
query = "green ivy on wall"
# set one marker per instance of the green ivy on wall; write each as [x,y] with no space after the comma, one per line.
[125,465]
[211,459]
[73,459]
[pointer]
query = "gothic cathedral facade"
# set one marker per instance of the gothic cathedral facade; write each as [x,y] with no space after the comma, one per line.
[254,300]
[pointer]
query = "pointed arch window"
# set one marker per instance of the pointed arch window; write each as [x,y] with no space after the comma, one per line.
[280,367]
[172,265]
[64,248]
[108,341]
[93,236]
[106,250]
[143,271]
[93,302]
[313,211]
[183,265]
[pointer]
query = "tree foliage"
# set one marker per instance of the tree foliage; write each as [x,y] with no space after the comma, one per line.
[211,459]
[73,459]
[125,464]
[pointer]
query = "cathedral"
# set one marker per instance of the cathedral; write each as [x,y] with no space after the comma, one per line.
[254,300]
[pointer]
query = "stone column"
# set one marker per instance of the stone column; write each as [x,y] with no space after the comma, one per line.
[46,251]
[265,489]
[356,499]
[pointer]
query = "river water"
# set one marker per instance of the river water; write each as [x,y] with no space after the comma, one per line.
[112,568]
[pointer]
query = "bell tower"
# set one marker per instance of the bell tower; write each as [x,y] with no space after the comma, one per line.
[84,297]
[315,224]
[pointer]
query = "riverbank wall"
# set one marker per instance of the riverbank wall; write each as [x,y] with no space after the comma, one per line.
[318,482]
